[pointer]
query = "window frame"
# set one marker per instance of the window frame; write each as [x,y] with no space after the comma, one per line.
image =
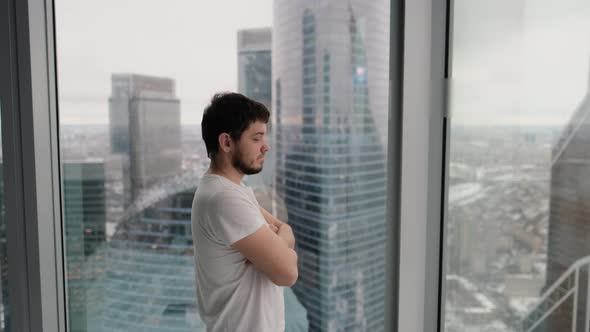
[32,171]
[419,190]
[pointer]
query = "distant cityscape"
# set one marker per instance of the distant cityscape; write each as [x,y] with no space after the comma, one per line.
[517,236]
[500,198]
[499,212]
[498,216]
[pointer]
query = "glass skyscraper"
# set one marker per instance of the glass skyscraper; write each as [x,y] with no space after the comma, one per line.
[330,74]
[254,81]
[85,226]
[144,120]
[149,271]
[254,64]
[569,226]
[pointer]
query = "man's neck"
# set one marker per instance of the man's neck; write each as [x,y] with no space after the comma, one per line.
[227,172]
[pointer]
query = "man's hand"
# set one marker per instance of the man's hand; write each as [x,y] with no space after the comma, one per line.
[270,255]
[270,218]
[282,229]
[273,228]
[286,233]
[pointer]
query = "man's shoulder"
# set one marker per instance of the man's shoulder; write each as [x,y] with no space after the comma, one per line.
[210,193]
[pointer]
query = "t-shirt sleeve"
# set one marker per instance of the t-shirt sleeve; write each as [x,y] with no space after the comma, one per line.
[232,216]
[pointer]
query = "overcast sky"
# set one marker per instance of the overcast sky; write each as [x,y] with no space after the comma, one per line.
[191,41]
[515,61]
[519,62]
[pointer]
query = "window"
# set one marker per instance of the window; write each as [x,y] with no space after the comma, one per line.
[517,249]
[131,93]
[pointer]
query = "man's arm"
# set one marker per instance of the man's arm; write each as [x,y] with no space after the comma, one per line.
[270,255]
[283,230]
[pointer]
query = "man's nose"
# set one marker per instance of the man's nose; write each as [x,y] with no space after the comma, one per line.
[265,147]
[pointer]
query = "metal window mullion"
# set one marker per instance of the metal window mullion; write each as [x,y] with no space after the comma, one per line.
[18,291]
[439,158]
[394,164]
[33,174]
[424,157]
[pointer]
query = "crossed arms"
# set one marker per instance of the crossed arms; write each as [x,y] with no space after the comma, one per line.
[283,230]
[270,250]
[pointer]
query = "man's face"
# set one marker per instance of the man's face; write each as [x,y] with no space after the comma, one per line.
[248,156]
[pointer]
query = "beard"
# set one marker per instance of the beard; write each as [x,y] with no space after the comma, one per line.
[239,164]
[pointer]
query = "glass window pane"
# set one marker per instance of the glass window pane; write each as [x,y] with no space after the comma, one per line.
[134,78]
[518,255]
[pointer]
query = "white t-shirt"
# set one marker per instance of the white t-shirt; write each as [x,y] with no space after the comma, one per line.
[231,295]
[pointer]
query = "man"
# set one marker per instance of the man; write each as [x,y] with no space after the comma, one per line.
[244,256]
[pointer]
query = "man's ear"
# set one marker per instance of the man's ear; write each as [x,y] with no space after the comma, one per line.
[224,142]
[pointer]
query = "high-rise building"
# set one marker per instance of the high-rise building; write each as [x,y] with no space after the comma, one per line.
[569,226]
[149,264]
[254,64]
[330,105]
[144,117]
[85,226]
[254,81]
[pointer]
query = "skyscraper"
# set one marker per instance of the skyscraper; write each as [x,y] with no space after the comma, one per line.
[85,225]
[254,81]
[569,216]
[149,271]
[330,81]
[144,117]
[254,64]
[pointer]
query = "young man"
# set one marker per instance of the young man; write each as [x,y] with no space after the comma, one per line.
[244,256]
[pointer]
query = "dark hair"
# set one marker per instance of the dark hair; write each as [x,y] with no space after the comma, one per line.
[230,113]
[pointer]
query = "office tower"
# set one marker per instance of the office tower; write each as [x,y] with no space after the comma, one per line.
[254,81]
[144,117]
[85,217]
[254,64]
[330,81]
[569,226]
[149,281]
